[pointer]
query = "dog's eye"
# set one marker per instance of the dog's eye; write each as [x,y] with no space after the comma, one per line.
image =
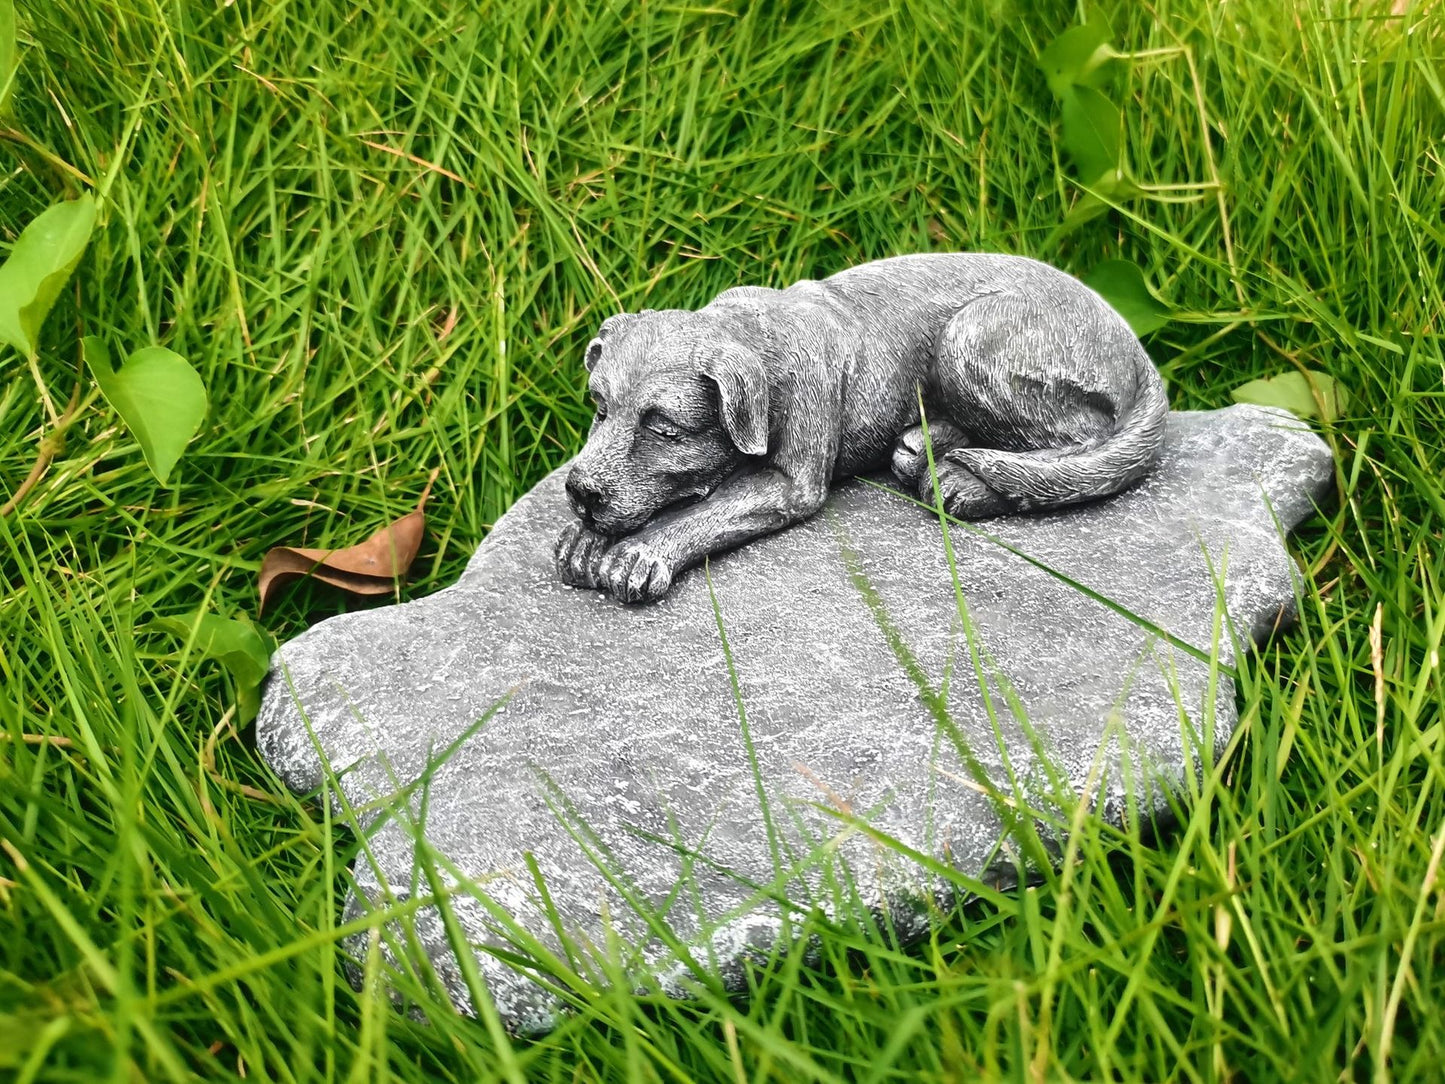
[656,422]
[599,407]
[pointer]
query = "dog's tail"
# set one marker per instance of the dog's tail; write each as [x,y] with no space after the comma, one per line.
[1048,478]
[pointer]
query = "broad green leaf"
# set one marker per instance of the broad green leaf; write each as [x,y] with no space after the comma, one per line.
[159,397]
[1080,56]
[1316,395]
[1091,125]
[7,51]
[39,265]
[238,645]
[1122,285]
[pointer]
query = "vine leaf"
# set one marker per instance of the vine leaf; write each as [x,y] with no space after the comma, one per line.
[371,567]
[1076,64]
[157,394]
[238,645]
[1091,125]
[1308,394]
[1122,285]
[1080,56]
[40,263]
[7,51]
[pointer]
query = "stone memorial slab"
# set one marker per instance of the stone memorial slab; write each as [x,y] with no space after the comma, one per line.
[619,734]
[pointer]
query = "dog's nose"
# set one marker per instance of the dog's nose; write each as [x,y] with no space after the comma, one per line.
[584,493]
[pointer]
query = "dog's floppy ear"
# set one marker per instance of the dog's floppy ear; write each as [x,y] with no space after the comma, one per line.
[742,386]
[611,326]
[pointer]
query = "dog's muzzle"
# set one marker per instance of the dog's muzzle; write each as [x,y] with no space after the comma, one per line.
[585,496]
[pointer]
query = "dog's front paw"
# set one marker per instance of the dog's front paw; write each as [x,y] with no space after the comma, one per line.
[634,571]
[910,454]
[579,554]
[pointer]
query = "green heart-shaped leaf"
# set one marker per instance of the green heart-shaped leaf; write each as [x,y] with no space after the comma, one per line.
[238,645]
[1080,56]
[1308,394]
[159,397]
[1122,285]
[39,265]
[7,51]
[1091,126]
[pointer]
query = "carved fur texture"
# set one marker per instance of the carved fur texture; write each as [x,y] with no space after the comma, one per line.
[719,425]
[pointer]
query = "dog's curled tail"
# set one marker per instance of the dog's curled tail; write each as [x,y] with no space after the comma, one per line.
[1035,480]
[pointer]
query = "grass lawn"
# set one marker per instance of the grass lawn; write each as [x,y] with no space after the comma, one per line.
[382,232]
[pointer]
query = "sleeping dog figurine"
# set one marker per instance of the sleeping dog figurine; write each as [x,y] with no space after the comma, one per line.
[717,426]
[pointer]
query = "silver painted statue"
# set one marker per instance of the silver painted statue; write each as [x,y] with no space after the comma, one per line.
[717,426]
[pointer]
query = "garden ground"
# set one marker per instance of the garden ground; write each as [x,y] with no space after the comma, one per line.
[382,234]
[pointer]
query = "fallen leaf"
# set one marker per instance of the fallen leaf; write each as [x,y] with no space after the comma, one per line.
[158,395]
[368,568]
[1308,394]
[449,324]
[237,644]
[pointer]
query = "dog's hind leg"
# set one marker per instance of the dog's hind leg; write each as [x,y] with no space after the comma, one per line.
[910,455]
[1026,370]
[1056,395]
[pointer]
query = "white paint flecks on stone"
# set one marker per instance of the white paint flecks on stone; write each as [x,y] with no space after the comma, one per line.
[624,719]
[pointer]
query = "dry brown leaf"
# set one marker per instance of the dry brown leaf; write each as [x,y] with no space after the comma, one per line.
[367,568]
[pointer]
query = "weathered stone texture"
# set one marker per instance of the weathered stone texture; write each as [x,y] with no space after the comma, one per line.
[624,718]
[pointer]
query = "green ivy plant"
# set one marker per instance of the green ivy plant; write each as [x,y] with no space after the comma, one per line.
[40,264]
[1305,393]
[1076,65]
[241,647]
[156,393]
[1080,67]
[1122,284]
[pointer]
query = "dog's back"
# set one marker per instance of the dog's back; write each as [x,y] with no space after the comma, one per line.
[1045,382]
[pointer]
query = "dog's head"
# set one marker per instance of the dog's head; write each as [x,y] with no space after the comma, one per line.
[680,404]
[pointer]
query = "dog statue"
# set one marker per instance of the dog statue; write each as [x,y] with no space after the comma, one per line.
[717,426]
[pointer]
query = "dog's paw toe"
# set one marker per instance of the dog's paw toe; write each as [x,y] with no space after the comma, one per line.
[578,555]
[909,461]
[634,572]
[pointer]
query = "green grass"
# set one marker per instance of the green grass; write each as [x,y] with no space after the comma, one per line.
[383,232]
